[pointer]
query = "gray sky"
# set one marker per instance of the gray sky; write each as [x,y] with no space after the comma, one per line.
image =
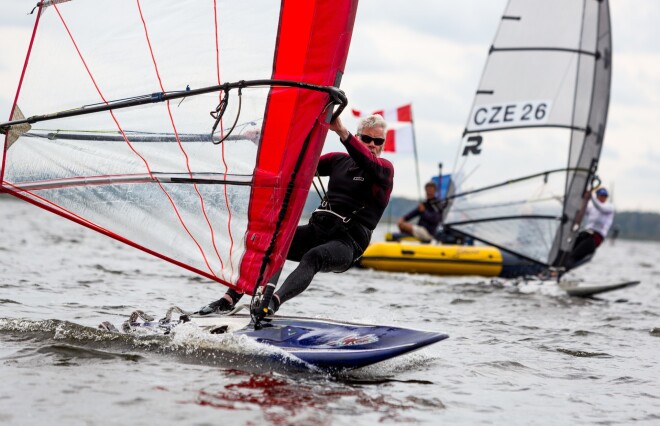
[431,53]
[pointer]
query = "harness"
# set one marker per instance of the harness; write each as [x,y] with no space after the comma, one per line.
[346,222]
[326,208]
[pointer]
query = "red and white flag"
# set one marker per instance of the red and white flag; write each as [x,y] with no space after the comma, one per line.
[400,114]
[399,138]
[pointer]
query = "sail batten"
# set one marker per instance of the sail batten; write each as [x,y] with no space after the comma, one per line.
[181,178]
[500,218]
[530,126]
[543,49]
[541,105]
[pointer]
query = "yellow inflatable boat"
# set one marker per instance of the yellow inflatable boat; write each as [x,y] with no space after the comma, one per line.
[445,260]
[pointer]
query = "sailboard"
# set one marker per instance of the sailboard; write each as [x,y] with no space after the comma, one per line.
[189,130]
[328,345]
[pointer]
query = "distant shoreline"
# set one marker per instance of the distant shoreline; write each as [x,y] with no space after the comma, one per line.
[632,225]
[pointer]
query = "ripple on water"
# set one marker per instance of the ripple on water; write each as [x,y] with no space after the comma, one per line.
[473,288]
[109,271]
[583,333]
[89,282]
[648,395]
[67,355]
[584,354]
[115,307]
[506,365]
[627,380]
[461,301]
[7,285]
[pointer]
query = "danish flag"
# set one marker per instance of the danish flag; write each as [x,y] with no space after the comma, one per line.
[402,113]
[400,136]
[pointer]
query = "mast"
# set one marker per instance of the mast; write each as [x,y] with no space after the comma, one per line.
[586,149]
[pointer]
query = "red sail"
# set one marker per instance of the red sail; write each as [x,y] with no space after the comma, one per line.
[121,141]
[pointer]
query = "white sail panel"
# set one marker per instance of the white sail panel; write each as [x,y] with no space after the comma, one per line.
[83,55]
[528,89]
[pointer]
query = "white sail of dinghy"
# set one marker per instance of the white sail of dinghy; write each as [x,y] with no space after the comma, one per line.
[531,145]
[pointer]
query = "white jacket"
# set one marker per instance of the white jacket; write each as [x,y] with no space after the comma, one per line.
[599,216]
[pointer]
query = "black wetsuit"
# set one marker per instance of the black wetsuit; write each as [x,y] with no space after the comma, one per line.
[358,190]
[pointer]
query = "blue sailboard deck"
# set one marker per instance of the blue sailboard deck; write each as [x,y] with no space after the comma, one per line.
[325,344]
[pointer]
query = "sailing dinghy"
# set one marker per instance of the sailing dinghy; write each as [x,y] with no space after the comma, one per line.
[189,130]
[529,152]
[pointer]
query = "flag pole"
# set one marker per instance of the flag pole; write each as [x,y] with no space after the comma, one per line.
[419,182]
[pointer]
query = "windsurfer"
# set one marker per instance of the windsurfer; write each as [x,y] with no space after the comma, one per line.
[340,228]
[430,217]
[598,221]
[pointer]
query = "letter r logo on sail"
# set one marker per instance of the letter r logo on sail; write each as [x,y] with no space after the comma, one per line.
[472,145]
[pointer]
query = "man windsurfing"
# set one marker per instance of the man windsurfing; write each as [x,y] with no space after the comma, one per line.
[340,229]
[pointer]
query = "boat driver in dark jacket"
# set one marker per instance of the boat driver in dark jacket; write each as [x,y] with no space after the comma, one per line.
[340,228]
[430,216]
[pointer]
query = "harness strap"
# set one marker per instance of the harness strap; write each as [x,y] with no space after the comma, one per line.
[321,210]
[325,207]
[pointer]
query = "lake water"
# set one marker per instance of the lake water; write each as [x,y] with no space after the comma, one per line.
[518,353]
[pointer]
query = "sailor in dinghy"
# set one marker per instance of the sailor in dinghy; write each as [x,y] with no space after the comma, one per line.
[597,223]
[430,217]
[340,228]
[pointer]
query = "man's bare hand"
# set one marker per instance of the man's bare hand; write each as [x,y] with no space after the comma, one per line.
[338,127]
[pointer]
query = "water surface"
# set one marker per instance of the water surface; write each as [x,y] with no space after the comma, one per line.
[519,353]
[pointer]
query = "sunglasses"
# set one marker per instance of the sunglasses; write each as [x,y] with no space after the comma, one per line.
[367,139]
